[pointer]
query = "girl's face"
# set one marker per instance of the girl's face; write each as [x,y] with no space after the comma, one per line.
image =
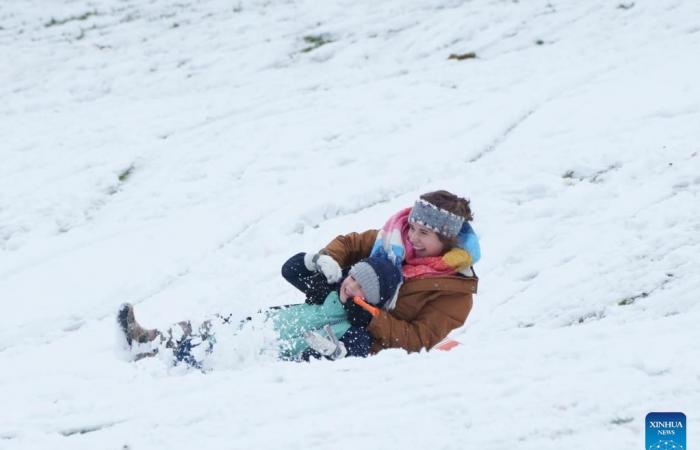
[425,241]
[350,288]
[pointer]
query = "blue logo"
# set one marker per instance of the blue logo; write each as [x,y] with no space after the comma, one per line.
[665,431]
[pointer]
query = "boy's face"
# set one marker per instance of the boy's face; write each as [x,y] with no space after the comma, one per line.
[350,288]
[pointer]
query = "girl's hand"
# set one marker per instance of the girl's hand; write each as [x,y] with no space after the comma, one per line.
[360,313]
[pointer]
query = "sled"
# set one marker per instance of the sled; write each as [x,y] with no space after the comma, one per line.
[446,345]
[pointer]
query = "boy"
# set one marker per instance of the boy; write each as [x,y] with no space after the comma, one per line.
[341,310]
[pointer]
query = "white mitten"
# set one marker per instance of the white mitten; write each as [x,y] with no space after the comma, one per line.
[310,261]
[324,264]
[328,346]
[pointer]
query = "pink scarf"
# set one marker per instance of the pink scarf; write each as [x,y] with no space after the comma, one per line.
[431,266]
[392,242]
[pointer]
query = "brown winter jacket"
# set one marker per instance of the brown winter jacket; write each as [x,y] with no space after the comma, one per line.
[427,309]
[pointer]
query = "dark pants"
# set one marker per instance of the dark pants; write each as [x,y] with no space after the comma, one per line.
[357,342]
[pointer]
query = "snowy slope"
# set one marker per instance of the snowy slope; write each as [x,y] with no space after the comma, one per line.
[174,154]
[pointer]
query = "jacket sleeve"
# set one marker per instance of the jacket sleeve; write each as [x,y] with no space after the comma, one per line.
[312,284]
[429,327]
[350,248]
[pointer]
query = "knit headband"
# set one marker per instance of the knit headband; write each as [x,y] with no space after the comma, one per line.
[437,219]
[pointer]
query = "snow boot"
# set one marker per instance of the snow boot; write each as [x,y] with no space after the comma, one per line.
[133,332]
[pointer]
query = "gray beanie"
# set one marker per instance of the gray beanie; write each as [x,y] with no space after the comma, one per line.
[364,274]
[379,279]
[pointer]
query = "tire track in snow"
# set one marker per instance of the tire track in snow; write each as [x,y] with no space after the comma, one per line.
[502,137]
[73,324]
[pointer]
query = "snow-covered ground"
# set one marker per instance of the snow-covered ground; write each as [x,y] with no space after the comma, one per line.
[174,154]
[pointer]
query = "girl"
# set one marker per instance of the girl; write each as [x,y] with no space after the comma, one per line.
[434,246]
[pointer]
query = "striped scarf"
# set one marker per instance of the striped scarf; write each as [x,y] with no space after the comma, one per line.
[392,243]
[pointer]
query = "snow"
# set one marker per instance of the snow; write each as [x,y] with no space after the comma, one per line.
[173,155]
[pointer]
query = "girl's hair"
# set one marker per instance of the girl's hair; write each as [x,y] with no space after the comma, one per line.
[452,203]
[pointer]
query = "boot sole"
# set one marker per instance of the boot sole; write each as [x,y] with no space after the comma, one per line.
[122,321]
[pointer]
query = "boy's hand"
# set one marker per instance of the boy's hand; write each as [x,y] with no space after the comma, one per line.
[328,345]
[325,264]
